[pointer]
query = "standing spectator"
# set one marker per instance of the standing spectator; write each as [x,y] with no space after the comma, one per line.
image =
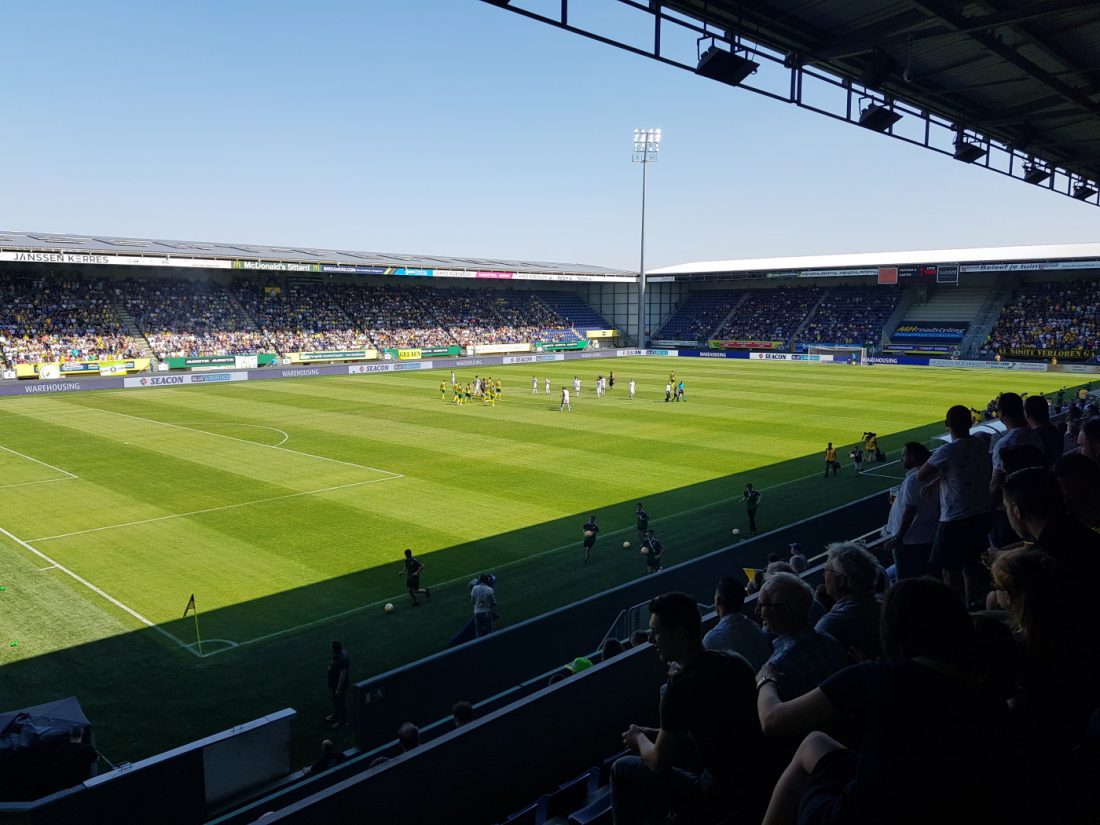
[850,576]
[751,497]
[1010,409]
[1037,412]
[964,470]
[411,568]
[798,558]
[930,733]
[911,527]
[484,600]
[802,656]
[1088,439]
[1079,478]
[735,631]
[338,674]
[857,458]
[707,711]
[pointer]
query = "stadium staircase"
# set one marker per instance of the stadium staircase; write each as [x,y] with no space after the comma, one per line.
[243,313]
[946,304]
[986,319]
[729,315]
[574,310]
[908,296]
[132,329]
[806,319]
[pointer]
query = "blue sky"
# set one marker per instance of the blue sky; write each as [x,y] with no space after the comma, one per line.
[450,127]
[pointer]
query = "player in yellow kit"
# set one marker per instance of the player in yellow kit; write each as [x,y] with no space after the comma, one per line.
[496,385]
[442,390]
[468,394]
[456,393]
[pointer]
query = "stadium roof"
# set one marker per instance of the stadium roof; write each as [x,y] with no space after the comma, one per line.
[991,256]
[1019,79]
[89,249]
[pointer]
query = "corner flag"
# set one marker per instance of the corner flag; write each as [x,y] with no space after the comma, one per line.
[190,606]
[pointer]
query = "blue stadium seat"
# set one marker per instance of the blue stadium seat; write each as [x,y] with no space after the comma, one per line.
[531,815]
[569,796]
[597,811]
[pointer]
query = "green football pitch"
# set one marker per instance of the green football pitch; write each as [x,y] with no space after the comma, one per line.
[285,506]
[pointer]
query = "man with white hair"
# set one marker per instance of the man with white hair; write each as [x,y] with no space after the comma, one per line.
[850,576]
[802,656]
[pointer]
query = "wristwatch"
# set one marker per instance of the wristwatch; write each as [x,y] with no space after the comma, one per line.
[765,680]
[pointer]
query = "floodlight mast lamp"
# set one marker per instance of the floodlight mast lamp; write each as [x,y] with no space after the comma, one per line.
[647,143]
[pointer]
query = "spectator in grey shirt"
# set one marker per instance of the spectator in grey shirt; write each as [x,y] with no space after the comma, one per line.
[735,631]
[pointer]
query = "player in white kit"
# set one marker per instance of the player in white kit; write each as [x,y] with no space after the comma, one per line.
[576,386]
[534,385]
[547,386]
[631,387]
[565,405]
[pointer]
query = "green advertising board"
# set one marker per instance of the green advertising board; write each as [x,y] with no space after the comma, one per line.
[560,346]
[215,361]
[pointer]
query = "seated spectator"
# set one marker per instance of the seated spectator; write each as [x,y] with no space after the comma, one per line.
[637,638]
[1088,439]
[1079,478]
[817,609]
[822,597]
[463,713]
[802,655]
[1060,684]
[736,632]
[913,519]
[330,757]
[1036,510]
[850,576]
[610,647]
[706,711]
[73,761]
[931,735]
[408,736]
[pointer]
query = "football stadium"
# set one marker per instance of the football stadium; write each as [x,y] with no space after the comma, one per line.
[299,534]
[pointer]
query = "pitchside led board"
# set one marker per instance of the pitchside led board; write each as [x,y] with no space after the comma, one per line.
[919,273]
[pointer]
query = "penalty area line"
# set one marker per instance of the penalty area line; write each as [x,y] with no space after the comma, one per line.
[65,473]
[100,592]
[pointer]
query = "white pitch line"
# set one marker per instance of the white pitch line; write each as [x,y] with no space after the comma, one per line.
[215,509]
[253,443]
[100,592]
[28,483]
[515,562]
[36,461]
[260,427]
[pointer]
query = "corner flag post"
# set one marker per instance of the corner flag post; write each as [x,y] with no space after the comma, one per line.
[194,610]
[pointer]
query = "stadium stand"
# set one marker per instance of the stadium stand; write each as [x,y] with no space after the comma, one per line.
[60,319]
[579,315]
[1061,315]
[852,315]
[183,318]
[699,315]
[770,314]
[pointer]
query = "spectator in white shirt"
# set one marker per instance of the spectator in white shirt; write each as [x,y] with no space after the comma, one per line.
[911,527]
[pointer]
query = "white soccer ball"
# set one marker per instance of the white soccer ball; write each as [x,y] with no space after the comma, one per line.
[736,531]
[389,608]
[644,551]
[626,545]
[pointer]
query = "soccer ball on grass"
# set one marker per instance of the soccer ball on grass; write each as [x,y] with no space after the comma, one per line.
[389,608]
[735,531]
[626,545]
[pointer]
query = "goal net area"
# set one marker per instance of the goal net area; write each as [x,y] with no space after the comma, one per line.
[840,354]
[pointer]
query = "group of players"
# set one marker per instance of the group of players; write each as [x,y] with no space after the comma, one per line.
[651,546]
[489,390]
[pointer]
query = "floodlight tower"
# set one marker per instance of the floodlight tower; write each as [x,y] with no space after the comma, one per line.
[647,143]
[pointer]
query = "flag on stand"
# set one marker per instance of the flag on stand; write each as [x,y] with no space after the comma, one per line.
[190,606]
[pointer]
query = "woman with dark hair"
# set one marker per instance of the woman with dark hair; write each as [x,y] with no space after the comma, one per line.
[930,731]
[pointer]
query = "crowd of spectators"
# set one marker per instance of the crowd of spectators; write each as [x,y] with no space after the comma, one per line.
[851,315]
[314,316]
[770,314]
[1061,315]
[699,315]
[182,318]
[60,319]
